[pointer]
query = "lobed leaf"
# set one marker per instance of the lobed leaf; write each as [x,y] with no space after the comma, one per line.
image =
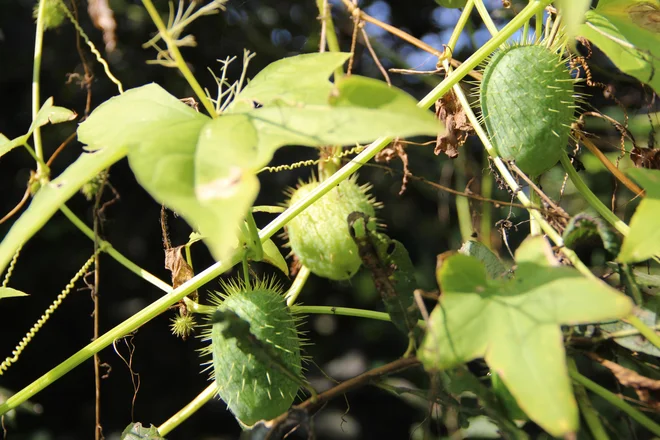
[514,324]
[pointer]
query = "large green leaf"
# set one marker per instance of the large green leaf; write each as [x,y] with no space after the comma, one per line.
[643,241]
[206,169]
[48,113]
[573,15]
[628,31]
[515,325]
[276,81]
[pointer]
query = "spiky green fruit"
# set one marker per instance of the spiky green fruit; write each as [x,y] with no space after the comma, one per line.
[319,236]
[528,104]
[248,358]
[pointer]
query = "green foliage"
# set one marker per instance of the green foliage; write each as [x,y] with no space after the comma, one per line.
[391,269]
[628,32]
[48,113]
[515,325]
[135,431]
[643,241]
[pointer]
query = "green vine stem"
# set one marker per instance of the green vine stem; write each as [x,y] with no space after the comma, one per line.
[644,330]
[36,100]
[485,16]
[342,311]
[590,415]
[485,225]
[591,198]
[108,249]
[163,303]
[178,58]
[188,410]
[614,400]
[297,285]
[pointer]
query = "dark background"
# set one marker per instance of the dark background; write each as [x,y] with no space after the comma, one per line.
[423,219]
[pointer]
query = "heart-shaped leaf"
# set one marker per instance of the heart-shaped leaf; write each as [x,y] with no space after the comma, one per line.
[515,325]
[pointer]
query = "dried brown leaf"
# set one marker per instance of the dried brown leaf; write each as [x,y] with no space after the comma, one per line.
[177,264]
[458,128]
[646,388]
[103,18]
[646,157]
[392,151]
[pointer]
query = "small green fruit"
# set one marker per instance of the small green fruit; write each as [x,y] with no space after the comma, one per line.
[244,369]
[528,104]
[319,236]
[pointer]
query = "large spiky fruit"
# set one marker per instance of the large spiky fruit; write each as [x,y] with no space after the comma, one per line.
[319,236]
[528,104]
[247,361]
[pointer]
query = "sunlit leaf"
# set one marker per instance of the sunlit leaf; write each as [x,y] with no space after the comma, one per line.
[636,342]
[628,32]
[573,15]
[8,292]
[494,266]
[643,240]
[514,324]
[293,80]
[135,431]
[48,113]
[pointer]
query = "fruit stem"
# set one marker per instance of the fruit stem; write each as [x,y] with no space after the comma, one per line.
[36,101]
[246,272]
[342,311]
[485,16]
[187,410]
[297,285]
[614,400]
[591,198]
[535,200]
[485,226]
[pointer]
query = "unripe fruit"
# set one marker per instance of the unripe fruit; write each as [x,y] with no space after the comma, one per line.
[319,235]
[528,104]
[244,367]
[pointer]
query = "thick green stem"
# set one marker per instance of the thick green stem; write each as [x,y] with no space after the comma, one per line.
[485,224]
[535,199]
[462,203]
[36,100]
[163,303]
[187,410]
[460,25]
[297,285]
[615,400]
[485,16]
[178,58]
[589,414]
[591,198]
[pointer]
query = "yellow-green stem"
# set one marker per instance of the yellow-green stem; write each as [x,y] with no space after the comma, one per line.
[485,224]
[485,16]
[187,410]
[614,400]
[645,331]
[297,285]
[178,58]
[591,198]
[589,414]
[36,100]
[330,33]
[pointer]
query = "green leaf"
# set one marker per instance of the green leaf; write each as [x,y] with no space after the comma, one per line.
[515,325]
[494,265]
[636,342]
[585,227]
[643,241]
[274,257]
[8,292]
[135,431]
[298,79]
[48,113]
[628,31]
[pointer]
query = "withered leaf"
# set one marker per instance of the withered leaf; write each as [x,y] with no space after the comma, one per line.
[394,150]
[647,389]
[458,128]
[177,264]
[646,157]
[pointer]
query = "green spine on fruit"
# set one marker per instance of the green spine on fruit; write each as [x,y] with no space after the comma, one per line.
[528,104]
[319,236]
[249,383]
